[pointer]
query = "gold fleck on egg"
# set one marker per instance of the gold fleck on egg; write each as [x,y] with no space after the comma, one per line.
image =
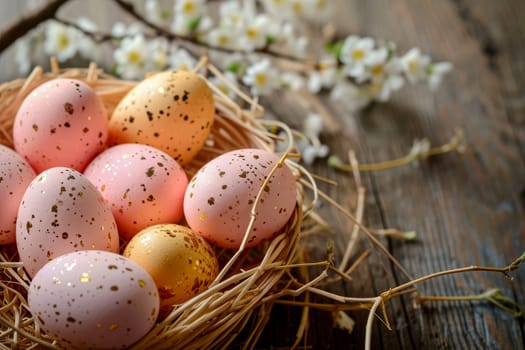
[180,261]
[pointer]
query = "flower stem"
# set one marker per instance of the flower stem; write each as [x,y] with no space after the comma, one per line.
[420,150]
[493,296]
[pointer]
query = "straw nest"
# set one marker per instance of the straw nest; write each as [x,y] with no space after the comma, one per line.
[240,298]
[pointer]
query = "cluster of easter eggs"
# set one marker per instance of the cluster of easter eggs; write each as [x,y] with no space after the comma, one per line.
[79,182]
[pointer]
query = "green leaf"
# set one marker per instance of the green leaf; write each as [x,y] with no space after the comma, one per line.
[270,40]
[233,67]
[390,53]
[335,48]
[516,263]
[194,23]
[496,297]
[165,14]
[113,70]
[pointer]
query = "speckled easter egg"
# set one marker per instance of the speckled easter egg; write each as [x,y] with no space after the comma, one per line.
[172,111]
[93,300]
[61,212]
[62,122]
[143,186]
[15,176]
[180,261]
[220,197]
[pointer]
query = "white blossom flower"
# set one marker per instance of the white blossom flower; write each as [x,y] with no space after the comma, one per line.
[255,33]
[318,11]
[311,147]
[414,64]
[187,13]
[310,152]
[355,53]
[315,10]
[292,80]
[249,10]
[352,97]
[278,8]
[130,57]
[180,59]
[227,84]
[181,24]
[435,73]
[154,12]
[313,125]
[325,77]
[382,89]
[222,37]
[375,66]
[23,54]
[158,50]
[120,29]
[61,41]
[262,78]
[87,46]
[231,14]
[190,8]
[205,25]
[296,45]
[184,25]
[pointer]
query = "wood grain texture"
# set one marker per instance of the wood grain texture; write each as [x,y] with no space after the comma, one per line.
[467,209]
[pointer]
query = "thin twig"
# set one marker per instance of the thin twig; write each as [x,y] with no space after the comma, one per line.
[370,322]
[361,191]
[363,228]
[514,265]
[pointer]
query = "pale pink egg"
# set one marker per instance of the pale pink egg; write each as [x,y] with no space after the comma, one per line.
[220,197]
[60,123]
[143,186]
[94,300]
[15,176]
[61,212]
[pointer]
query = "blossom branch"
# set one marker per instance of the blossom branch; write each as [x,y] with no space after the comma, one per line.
[130,8]
[20,26]
[96,36]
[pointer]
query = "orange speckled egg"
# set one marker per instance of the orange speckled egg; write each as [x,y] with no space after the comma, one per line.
[180,261]
[172,111]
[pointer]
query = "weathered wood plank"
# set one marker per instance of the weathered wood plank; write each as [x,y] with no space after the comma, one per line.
[460,206]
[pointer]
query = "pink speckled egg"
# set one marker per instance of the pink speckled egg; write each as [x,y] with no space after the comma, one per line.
[143,186]
[60,123]
[61,212]
[15,176]
[94,300]
[220,197]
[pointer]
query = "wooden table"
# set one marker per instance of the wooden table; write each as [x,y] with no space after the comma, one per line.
[467,209]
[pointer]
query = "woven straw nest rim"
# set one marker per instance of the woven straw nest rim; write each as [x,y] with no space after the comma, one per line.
[213,318]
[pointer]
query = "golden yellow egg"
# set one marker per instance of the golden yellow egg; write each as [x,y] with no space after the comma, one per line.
[172,111]
[180,261]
